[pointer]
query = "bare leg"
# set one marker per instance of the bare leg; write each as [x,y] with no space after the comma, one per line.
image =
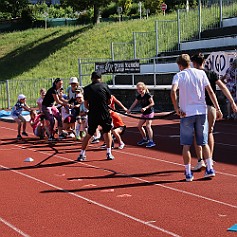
[149,129]
[141,129]
[186,154]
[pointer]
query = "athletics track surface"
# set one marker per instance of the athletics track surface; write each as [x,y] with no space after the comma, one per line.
[142,193]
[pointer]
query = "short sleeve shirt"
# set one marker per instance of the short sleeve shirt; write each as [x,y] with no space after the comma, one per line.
[98,95]
[17,108]
[49,99]
[145,101]
[191,83]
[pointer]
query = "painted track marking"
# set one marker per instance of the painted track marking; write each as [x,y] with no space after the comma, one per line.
[94,202]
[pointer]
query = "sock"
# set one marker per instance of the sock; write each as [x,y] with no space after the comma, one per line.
[144,138]
[109,150]
[83,152]
[209,163]
[188,168]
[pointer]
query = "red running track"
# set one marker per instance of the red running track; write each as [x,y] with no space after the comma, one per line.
[141,193]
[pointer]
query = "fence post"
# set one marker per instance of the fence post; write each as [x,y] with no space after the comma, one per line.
[179,33]
[80,71]
[221,13]
[157,39]
[133,80]
[8,94]
[134,45]
[112,50]
[154,71]
[199,19]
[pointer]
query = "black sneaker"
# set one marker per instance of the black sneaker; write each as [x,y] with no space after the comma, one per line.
[19,137]
[25,134]
[81,157]
[109,156]
[103,146]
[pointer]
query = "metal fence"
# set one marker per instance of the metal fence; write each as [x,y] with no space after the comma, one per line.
[10,89]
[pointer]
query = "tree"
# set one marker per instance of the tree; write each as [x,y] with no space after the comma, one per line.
[14,7]
[80,5]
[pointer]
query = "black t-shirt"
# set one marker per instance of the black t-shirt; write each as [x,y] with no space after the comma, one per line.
[213,78]
[144,101]
[48,99]
[98,94]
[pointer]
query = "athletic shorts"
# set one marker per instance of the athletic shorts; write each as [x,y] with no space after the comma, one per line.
[197,125]
[93,123]
[146,116]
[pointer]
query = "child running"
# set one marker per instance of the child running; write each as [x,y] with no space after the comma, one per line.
[37,124]
[146,101]
[17,115]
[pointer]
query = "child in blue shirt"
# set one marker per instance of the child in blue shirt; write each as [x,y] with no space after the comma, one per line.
[16,113]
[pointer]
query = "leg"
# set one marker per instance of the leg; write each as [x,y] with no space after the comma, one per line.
[149,129]
[141,129]
[186,139]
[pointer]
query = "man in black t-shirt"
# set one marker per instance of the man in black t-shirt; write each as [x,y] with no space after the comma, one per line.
[96,99]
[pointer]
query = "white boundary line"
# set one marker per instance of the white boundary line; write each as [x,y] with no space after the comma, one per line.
[13,227]
[94,202]
[143,180]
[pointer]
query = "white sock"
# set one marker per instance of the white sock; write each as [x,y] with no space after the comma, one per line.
[109,150]
[188,168]
[83,152]
[209,163]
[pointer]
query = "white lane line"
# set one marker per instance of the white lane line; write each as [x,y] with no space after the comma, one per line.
[94,202]
[146,181]
[13,227]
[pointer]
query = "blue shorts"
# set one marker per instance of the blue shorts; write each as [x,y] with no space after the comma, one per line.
[197,125]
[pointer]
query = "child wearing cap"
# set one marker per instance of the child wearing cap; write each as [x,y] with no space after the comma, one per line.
[81,116]
[16,113]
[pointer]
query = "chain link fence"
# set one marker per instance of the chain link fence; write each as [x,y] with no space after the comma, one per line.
[10,89]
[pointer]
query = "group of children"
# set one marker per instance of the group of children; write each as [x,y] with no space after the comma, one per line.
[74,115]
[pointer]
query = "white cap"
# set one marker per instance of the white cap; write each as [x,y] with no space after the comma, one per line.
[73,80]
[21,97]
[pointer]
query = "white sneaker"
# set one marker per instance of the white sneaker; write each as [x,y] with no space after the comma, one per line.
[199,166]
[121,146]
[71,135]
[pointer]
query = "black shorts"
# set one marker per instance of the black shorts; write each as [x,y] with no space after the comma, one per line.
[93,123]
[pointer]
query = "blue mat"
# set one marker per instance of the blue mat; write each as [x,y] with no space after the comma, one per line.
[233,228]
[4,113]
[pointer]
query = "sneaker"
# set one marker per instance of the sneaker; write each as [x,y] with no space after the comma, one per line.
[121,146]
[81,157]
[189,177]
[199,166]
[71,135]
[62,135]
[209,173]
[150,144]
[142,142]
[95,140]
[103,146]
[109,156]
[25,134]
[78,137]
[19,137]
[82,133]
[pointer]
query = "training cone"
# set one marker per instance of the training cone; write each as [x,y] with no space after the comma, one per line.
[28,159]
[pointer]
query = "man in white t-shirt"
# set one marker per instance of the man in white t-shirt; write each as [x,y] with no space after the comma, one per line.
[192,110]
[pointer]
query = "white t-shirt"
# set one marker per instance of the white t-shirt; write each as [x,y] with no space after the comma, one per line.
[191,83]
